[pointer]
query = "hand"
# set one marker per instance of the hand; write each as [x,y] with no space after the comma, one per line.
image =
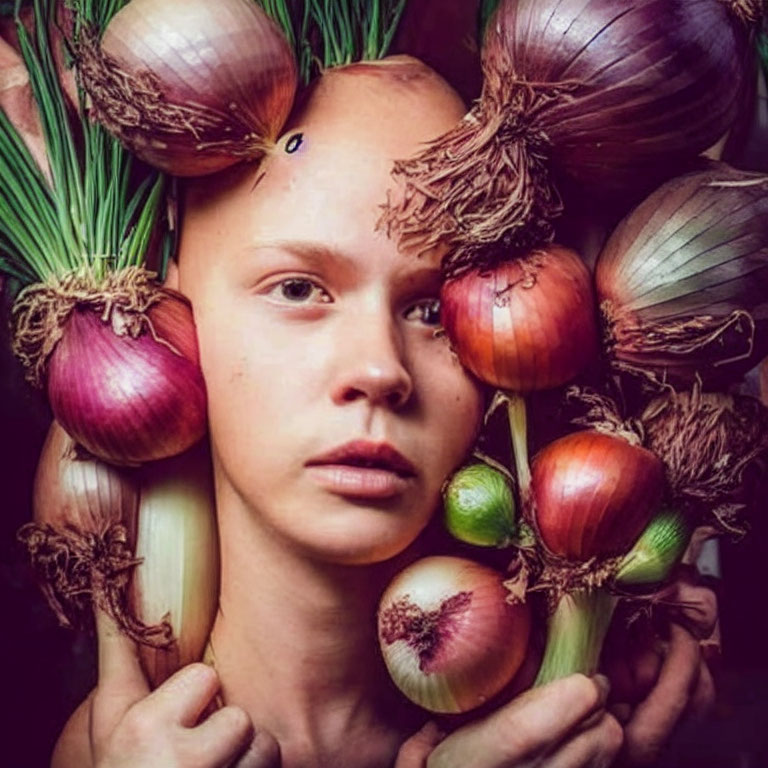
[662,681]
[561,725]
[166,728]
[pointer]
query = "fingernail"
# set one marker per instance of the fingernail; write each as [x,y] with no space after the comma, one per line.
[604,684]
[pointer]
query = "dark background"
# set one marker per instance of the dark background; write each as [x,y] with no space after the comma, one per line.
[49,670]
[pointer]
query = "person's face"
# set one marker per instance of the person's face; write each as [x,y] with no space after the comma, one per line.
[318,344]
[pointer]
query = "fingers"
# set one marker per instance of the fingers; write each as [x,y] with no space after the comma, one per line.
[414,752]
[525,728]
[595,747]
[656,716]
[263,752]
[182,698]
[221,739]
[121,680]
[703,697]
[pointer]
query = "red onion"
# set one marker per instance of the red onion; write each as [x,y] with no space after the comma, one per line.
[527,324]
[191,86]
[682,281]
[130,389]
[594,493]
[450,636]
[614,94]
[524,325]
[81,543]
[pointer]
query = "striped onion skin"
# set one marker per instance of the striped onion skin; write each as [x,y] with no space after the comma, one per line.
[612,96]
[656,80]
[594,494]
[225,77]
[450,637]
[130,400]
[525,325]
[683,281]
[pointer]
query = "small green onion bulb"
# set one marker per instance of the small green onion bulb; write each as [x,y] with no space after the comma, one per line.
[657,551]
[480,507]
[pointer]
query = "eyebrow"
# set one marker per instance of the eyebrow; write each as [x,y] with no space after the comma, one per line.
[310,252]
[321,255]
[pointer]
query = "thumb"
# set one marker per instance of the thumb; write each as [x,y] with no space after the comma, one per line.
[121,679]
[415,751]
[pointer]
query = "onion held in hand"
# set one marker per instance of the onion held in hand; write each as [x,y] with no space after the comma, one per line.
[82,541]
[594,494]
[190,86]
[450,637]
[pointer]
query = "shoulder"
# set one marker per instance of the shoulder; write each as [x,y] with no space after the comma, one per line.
[73,748]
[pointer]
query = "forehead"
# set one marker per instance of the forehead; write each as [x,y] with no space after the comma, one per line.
[329,175]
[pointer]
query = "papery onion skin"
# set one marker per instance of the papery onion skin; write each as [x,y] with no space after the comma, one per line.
[682,282]
[130,400]
[178,578]
[81,544]
[657,80]
[525,325]
[594,494]
[611,94]
[224,75]
[450,637]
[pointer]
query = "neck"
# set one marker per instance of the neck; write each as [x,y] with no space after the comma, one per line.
[295,645]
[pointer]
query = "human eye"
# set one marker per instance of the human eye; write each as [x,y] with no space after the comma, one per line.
[426,311]
[298,290]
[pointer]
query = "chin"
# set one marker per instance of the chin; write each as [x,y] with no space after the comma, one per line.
[365,542]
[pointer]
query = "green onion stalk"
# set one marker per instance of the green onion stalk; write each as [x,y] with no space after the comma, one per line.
[78,243]
[582,615]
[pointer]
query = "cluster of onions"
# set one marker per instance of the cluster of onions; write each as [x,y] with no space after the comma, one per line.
[450,637]
[682,281]
[614,95]
[190,87]
[116,352]
[139,545]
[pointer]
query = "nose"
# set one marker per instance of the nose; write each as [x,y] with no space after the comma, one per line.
[372,366]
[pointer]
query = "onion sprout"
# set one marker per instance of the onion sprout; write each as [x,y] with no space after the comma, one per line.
[90,216]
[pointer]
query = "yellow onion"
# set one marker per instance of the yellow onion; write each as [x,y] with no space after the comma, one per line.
[450,635]
[177,543]
[682,281]
[81,544]
[190,86]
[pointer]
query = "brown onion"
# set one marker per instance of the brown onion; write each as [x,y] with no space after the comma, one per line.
[594,494]
[130,399]
[191,86]
[682,281]
[523,325]
[614,94]
[450,636]
[527,324]
[82,541]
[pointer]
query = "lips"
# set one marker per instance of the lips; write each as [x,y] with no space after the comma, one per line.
[366,455]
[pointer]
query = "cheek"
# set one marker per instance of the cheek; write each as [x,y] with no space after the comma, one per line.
[454,403]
